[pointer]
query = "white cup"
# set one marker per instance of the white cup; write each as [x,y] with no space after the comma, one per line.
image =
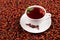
[36,21]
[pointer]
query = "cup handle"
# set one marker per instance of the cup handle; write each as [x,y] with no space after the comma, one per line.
[49,14]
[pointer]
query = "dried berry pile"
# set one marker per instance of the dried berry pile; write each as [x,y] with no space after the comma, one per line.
[11,12]
[33,26]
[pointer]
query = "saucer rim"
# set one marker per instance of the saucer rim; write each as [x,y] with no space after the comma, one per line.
[34,32]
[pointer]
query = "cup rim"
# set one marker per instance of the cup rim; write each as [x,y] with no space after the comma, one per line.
[35,6]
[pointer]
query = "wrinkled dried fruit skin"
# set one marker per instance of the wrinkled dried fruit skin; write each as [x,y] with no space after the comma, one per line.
[11,12]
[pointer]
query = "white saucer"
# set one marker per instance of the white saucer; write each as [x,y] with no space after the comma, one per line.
[43,26]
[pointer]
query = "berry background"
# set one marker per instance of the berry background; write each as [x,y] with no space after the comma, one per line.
[11,12]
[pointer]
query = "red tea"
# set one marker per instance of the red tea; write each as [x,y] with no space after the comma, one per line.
[35,13]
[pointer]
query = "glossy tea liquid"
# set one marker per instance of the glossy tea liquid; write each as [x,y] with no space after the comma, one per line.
[35,13]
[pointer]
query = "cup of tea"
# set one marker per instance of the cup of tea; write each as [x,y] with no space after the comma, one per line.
[36,13]
[35,19]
